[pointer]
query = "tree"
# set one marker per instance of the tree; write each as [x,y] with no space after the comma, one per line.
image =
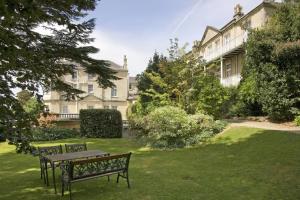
[23,96]
[273,64]
[30,60]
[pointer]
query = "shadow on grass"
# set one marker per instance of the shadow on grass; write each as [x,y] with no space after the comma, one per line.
[242,163]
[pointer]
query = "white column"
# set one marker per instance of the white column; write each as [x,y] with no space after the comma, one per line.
[222,69]
[77,87]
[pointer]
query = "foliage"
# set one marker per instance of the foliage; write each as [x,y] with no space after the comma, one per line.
[31,60]
[33,107]
[297,120]
[101,123]
[172,127]
[272,69]
[24,96]
[53,133]
[211,95]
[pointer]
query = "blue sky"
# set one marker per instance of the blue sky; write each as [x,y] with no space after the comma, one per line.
[137,28]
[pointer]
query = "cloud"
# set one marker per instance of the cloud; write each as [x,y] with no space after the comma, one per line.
[187,16]
[114,49]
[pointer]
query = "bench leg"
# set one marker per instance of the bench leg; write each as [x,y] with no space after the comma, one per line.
[62,188]
[108,179]
[127,178]
[118,177]
[47,179]
[70,191]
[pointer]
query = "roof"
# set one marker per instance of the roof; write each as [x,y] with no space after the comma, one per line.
[234,21]
[113,65]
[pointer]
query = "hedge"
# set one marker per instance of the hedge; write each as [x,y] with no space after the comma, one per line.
[101,123]
[53,133]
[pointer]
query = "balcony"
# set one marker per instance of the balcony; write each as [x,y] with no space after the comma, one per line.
[226,48]
[233,80]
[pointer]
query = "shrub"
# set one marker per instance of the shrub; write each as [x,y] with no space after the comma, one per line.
[53,133]
[297,120]
[172,127]
[101,123]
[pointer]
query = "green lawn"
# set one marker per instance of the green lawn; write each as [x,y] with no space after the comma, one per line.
[243,163]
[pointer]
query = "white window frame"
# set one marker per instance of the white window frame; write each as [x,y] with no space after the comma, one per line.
[114,92]
[227,38]
[228,70]
[90,91]
[65,109]
[74,74]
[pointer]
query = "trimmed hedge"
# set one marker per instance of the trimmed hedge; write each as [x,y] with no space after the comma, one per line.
[53,133]
[101,123]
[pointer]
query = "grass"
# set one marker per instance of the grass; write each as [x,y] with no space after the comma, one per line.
[243,163]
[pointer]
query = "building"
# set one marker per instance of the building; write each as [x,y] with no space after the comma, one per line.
[225,46]
[133,90]
[94,97]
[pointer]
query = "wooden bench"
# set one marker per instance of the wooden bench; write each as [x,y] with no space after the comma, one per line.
[81,170]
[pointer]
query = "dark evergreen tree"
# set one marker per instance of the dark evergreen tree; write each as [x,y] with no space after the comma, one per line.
[30,60]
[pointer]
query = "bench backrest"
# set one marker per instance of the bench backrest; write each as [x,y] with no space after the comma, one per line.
[75,147]
[97,166]
[50,150]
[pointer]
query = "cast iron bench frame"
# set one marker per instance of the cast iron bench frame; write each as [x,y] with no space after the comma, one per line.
[81,170]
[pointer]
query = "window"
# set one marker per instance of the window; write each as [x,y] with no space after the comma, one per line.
[65,109]
[90,107]
[114,92]
[228,70]
[74,75]
[209,49]
[217,44]
[247,24]
[106,107]
[90,88]
[227,39]
[91,76]
[114,107]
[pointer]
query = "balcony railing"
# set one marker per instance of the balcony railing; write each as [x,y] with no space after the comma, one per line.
[68,116]
[230,45]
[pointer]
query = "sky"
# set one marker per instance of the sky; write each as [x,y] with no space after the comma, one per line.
[138,28]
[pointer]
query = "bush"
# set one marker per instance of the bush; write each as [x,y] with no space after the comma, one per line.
[172,127]
[54,133]
[101,123]
[297,120]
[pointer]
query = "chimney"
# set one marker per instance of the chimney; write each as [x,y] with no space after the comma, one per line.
[238,12]
[125,62]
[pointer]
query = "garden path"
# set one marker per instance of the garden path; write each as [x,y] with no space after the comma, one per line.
[265,125]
